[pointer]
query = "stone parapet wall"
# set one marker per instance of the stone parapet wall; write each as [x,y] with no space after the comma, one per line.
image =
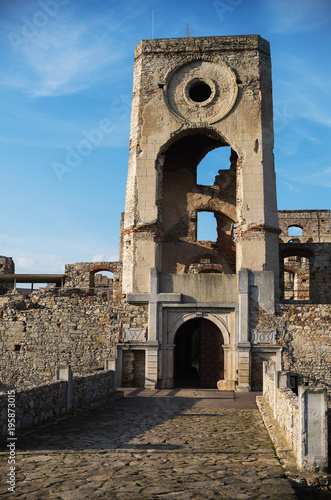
[36,405]
[288,416]
[91,388]
[38,333]
[302,418]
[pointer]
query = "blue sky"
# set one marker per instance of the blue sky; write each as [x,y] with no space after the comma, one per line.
[65,86]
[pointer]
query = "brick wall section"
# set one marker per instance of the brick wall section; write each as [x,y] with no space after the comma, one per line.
[45,330]
[38,404]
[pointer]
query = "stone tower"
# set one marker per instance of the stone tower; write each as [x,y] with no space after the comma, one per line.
[191,96]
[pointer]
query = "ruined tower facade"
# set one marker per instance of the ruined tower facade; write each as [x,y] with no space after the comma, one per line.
[191,96]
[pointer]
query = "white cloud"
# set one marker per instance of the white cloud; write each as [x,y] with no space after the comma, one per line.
[290,187]
[297,16]
[321,178]
[64,56]
[62,63]
[98,257]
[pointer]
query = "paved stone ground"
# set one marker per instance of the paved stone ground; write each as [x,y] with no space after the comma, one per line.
[178,444]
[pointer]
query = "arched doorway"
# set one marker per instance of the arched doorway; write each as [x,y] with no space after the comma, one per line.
[199,355]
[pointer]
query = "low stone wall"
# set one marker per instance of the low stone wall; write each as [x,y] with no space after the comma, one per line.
[89,389]
[288,416]
[36,405]
[302,418]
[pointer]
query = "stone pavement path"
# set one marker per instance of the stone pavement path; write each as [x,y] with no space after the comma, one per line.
[178,444]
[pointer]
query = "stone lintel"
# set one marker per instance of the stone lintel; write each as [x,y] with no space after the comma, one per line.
[140,298]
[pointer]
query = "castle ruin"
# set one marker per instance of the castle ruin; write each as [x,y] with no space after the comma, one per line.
[181,311]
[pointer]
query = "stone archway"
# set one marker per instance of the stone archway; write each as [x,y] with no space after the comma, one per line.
[199,354]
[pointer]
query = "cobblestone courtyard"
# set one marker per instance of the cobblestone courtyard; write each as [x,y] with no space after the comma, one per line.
[178,444]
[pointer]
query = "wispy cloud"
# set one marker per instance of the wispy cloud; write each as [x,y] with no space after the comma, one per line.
[304,88]
[290,187]
[60,61]
[298,16]
[62,53]
[322,178]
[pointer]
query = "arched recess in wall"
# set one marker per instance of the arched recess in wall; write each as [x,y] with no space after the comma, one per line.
[204,264]
[102,281]
[296,264]
[181,198]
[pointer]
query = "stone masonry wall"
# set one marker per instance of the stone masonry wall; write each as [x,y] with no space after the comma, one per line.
[81,275]
[304,333]
[315,225]
[306,342]
[35,405]
[44,330]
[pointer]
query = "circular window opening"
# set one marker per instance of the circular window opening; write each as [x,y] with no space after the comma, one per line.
[200,92]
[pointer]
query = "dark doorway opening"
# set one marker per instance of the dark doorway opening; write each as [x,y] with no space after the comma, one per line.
[199,355]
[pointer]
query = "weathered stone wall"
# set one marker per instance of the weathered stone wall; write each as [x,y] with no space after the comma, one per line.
[7,266]
[306,342]
[302,418]
[315,225]
[81,275]
[288,416]
[44,330]
[284,403]
[38,404]
[304,334]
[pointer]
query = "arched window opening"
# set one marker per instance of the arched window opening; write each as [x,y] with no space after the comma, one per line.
[296,278]
[102,284]
[295,231]
[209,166]
[206,226]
